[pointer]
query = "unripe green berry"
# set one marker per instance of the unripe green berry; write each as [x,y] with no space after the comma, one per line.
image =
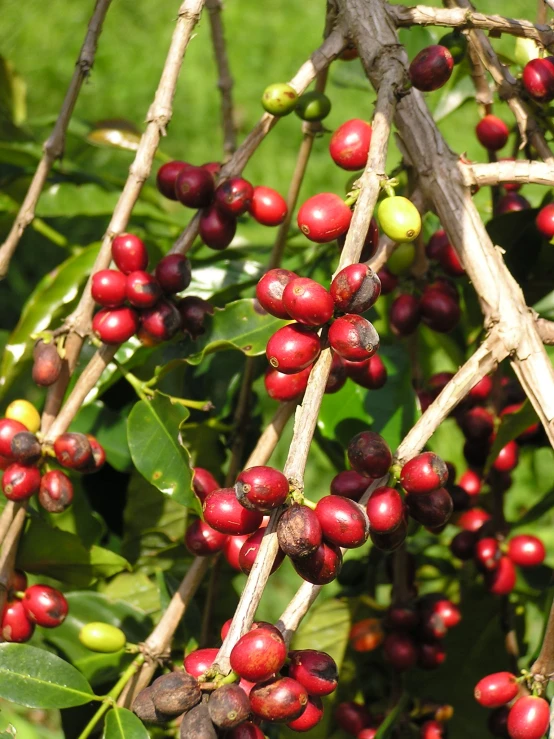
[401,259]
[101,637]
[313,106]
[279,99]
[399,218]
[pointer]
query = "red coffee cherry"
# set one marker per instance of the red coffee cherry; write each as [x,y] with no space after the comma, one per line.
[162,321]
[389,282]
[166,177]
[56,491]
[173,273]
[439,310]
[371,242]
[261,488]
[316,671]
[196,663]
[231,550]
[15,625]
[367,733]
[224,513]
[385,510]
[545,221]
[47,363]
[526,550]
[246,730]
[299,531]
[432,730]
[108,288]
[337,375]
[324,217]
[214,168]
[436,603]
[115,325]
[487,553]
[349,145]
[249,552]
[430,655]
[431,68]
[98,456]
[269,291]
[369,454]
[437,242]
[18,581]
[320,567]
[25,448]
[293,348]
[480,392]
[217,229]
[538,79]
[142,290]
[424,473]
[405,314]
[45,606]
[497,689]
[203,541]
[203,483]
[529,717]
[258,654]
[279,700]
[371,374]
[194,187]
[267,206]
[473,519]
[352,717]
[20,482]
[507,458]
[311,716]
[234,196]
[307,301]
[391,541]
[129,253]
[432,509]
[492,132]
[8,429]
[502,580]
[477,424]
[343,522]
[400,651]
[355,289]
[73,450]
[286,387]
[349,484]
[193,311]
[353,338]
[512,202]
[463,545]
[402,618]
[471,482]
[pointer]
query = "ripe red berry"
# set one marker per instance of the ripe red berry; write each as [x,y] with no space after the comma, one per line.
[310,717]
[269,291]
[129,253]
[526,550]
[439,310]
[267,206]
[173,273]
[193,311]
[279,700]
[142,290]
[367,733]
[194,187]
[286,387]
[202,541]
[349,484]
[492,132]
[497,689]
[321,566]
[405,314]
[473,519]
[217,229]
[232,549]
[45,606]
[349,145]
[258,655]
[355,288]
[424,473]
[471,482]
[15,625]
[234,196]
[352,717]
[502,580]
[293,348]
[108,288]
[324,217]
[316,671]
[261,488]
[203,483]
[162,321]
[353,338]
[432,730]
[343,521]
[385,510]
[529,717]
[47,364]
[56,491]
[115,325]
[307,301]
[507,458]
[299,531]
[167,174]
[538,79]
[371,374]
[400,651]
[487,553]
[73,450]
[389,282]
[214,168]
[8,429]
[512,202]
[18,581]
[545,221]
[224,513]
[436,603]
[431,68]
[197,662]
[249,552]
[481,391]
[369,454]
[246,730]
[20,482]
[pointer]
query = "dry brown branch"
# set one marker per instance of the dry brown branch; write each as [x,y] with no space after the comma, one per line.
[225,81]
[54,145]
[546,331]
[522,171]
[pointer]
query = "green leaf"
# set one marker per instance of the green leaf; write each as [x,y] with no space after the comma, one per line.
[326,628]
[136,589]
[39,679]
[123,724]
[511,426]
[153,435]
[214,277]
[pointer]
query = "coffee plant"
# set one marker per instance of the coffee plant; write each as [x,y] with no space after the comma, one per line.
[276,464]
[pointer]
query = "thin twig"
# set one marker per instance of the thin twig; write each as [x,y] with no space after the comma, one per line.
[8,552]
[522,171]
[54,145]
[225,81]
[240,421]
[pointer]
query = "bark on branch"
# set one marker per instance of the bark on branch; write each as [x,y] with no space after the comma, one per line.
[522,171]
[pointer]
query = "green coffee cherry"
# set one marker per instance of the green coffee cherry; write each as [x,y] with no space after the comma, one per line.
[525,51]
[313,106]
[399,218]
[456,43]
[279,99]
[401,259]
[101,637]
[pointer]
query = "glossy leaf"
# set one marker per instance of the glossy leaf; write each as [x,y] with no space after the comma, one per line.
[123,724]
[326,628]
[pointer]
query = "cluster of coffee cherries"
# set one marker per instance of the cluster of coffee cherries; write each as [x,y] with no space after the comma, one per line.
[427,717]
[515,714]
[136,302]
[293,349]
[23,459]
[280,99]
[30,606]
[219,205]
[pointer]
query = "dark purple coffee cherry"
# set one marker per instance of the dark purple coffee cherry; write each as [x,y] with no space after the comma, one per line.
[166,177]
[217,229]
[349,484]
[369,454]
[439,310]
[371,374]
[391,541]
[405,315]
[173,273]
[321,566]
[431,68]
[162,321]
[234,196]
[194,187]
[142,289]
[431,509]
[193,312]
